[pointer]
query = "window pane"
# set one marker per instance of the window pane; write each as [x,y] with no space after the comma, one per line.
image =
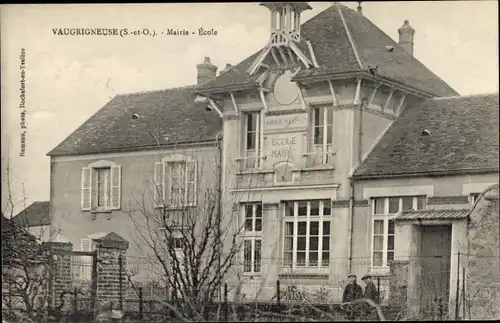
[256,267]
[258,224]
[313,258]
[314,228]
[378,226]
[313,243]
[302,208]
[318,117]
[247,254]
[314,207]
[287,261]
[390,242]
[378,242]
[248,225]
[390,255]
[421,202]
[408,203]
[248,211]
[302,228]
[251,140]
[318,136]
[325,258]
[379,205]
[250,122]
[301,259]
[326,243]
[288,228]
[288,208]
[301,243]
[391,226]
[393,205]
[377,258]
[329,134]
[258,211]
[326,228]
[327,207]
[288,244]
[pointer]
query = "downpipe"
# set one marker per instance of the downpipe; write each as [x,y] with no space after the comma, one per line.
[351,222]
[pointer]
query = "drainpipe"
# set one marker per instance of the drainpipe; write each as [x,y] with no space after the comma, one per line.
[360,145]
[351,221]
[219,190]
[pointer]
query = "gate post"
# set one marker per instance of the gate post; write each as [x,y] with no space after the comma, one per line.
[109,250]
[60,270]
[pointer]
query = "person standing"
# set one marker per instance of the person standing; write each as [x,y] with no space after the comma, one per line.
[370,289]
[352,291]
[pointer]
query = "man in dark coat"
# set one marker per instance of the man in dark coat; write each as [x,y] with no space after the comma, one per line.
[370,289]
[352,291]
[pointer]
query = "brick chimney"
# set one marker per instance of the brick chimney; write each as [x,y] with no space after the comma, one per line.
[406,34]
[228,66]
[206,71]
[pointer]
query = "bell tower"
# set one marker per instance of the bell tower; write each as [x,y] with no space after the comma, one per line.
[285,36]
[285,21]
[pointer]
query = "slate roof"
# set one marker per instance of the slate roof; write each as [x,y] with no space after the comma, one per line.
[438,214]
[141,121]
[463,138]
[37,214]
[335,54]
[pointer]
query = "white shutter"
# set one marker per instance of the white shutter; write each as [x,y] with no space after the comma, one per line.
[116,183]
[191,179]
[86,261]
[86,244]
[86,186]
[159,181]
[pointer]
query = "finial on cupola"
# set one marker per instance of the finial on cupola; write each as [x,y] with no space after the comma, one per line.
[360,8]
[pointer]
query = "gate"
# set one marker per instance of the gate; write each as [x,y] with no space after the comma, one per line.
[73,283]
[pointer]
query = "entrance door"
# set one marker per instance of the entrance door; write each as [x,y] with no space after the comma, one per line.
[435,264]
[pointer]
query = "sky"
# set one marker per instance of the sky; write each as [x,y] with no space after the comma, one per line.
[69,78]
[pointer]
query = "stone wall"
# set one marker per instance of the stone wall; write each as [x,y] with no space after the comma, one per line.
[483,277]
[106,283]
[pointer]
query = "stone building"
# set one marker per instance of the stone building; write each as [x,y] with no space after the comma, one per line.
[340,153]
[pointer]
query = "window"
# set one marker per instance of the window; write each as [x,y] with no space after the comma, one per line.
[322,134]
[473,198]
[102,189]
[307,234]
[176,182]
[252,237]
[384,210]
[252,140]
[101,186]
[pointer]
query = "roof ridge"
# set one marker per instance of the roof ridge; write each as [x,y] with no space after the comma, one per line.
[464,96]
[349,36]
[158,90]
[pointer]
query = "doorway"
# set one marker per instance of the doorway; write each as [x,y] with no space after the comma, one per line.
[435,266]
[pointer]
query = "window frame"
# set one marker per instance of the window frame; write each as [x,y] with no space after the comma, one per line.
[107,188]
[253,236]
[163,185]
[257,152]
[386,217]
[295,218]
[89,193]
[326,147]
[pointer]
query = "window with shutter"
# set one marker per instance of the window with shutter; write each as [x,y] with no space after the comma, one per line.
[176,179]
[101,186]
